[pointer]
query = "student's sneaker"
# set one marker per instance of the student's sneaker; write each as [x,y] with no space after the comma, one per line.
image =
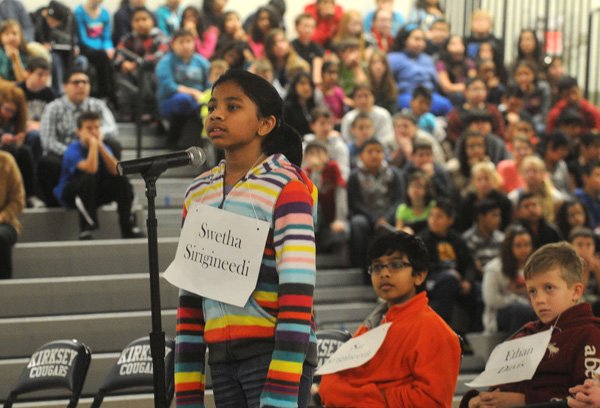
[34,202]
[86,235]
[135,232]
[83,211]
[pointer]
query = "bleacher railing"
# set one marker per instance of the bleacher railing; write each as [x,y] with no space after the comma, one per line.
[565,27]
[592,79]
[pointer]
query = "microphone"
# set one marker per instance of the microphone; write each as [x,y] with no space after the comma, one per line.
[193,156]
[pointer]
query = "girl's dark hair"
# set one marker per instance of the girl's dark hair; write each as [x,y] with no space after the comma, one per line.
[283,138]
[463,160]
[402,36]
[256,34]
[221,22]
[292,94]
[198,17]
[530,66]
[422,5]
[537,51]
[409,245]
[510,265]
[416,176]
[328,65]
[562,216]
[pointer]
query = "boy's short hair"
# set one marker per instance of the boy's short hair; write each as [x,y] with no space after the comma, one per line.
[315,145]
[409,245]
[558,254]
[446,207]
[369,142]
[477,115]
[588,168]
[421,144]
[181,33]
[74,71]
[527,195]
[423,92]
[471,81]
[589,138]
[405,114]
[218,64]
[37,63]
[262,65]
[569,116]
[440,20]
[513,91]
[361,86]
[301,17]
[346,44]
[142,9]
[319,112]
[86,116]
[360,116]
[327,65]
[557,139]
[580,232]
[565,83]
[486,205]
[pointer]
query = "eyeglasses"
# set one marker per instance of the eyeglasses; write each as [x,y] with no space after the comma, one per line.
[393,267]
[79,82]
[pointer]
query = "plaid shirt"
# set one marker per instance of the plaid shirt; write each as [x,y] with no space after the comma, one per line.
[483,249]
[59,122]
[150,48]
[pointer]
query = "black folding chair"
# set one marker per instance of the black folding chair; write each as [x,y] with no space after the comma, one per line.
[133,370]
[60,364]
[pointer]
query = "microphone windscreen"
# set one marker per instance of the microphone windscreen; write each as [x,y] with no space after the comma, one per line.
[197,155]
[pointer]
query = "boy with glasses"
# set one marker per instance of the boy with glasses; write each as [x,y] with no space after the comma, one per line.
[418,362]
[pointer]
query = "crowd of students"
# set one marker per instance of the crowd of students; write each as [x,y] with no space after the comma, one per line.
[405,126]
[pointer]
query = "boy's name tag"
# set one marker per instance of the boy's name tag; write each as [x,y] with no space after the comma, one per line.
[356,351]
[219,254]
[514,360]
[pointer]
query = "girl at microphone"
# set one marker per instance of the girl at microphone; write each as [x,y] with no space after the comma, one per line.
[262,354]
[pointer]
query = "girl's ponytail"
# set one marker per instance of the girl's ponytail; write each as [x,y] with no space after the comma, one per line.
[286,140]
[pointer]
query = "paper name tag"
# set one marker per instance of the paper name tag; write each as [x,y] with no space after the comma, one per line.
[514,360]
[219,254]
[356,351]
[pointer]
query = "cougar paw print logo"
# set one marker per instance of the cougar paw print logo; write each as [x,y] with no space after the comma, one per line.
[552,349]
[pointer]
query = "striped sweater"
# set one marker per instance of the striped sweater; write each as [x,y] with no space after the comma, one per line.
[278,317]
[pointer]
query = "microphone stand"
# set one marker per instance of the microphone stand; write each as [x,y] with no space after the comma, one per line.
[157,336]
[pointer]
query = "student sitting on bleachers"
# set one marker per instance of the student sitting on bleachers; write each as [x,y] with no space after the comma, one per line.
[182,78]
[93,27]
[137,54]
[451,268]
[375,190]
[89,179]
[13,124]
[528,213]
[332,229]
[406,133]
[506,307]
[12,202]
[417,365]
[58,127]
[321,124]
[570,97]
[553,277]
[484,237]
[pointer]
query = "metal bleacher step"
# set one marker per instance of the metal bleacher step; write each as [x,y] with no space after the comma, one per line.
[120,256]
[118,293]
[61,224]
[150,138]
[106,332]
[97,257]
[102,332]
[170,192]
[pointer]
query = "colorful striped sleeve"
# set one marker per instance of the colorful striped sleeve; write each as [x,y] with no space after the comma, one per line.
[190,350]
[295,256]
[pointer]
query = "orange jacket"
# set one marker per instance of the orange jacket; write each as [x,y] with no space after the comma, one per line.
[416,366]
